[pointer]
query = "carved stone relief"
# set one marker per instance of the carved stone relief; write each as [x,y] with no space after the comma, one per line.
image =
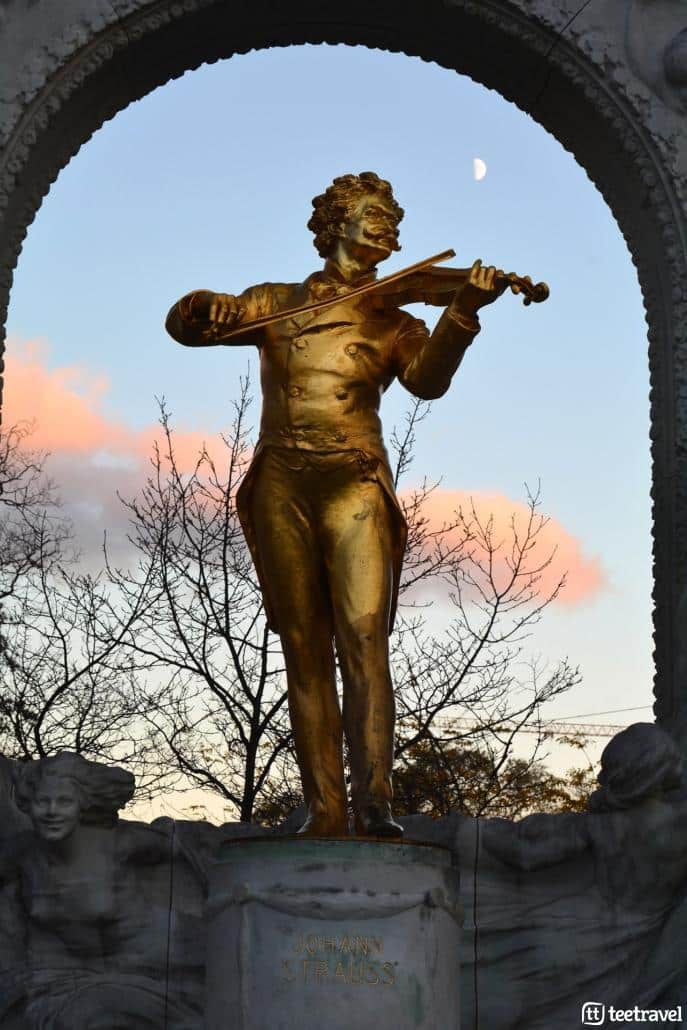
[566,908]
[656,35]
[86,927]
[103,922]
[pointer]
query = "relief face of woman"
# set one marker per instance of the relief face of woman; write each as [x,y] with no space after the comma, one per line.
[94,959]
[55,808]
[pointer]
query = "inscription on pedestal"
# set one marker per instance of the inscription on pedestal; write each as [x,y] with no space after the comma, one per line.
[296,942]
[356,959]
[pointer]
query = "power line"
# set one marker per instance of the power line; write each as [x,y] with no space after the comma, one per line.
[611,711]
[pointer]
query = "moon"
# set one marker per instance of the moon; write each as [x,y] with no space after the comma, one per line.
[479,169]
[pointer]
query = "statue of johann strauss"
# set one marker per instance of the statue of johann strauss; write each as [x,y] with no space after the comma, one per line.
[318,506]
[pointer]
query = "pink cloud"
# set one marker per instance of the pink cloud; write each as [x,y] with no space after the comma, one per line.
[584,574]
[68,407]
[93,455]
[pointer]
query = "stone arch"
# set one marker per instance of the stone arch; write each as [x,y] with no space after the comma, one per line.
[570,67]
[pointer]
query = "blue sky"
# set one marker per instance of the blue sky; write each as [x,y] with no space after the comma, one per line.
[207,182]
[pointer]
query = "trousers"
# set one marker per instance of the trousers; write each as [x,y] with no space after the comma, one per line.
[324,534]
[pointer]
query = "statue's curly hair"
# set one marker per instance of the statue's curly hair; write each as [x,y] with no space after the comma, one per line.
[103,789]
[335,205]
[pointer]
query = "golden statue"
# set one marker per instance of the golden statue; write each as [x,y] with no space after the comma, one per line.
[317,505]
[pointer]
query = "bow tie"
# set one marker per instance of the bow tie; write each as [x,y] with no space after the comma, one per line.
[327,290]
[324,287]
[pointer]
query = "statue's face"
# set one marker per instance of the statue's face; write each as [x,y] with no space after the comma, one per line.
[55,808]
[373,225]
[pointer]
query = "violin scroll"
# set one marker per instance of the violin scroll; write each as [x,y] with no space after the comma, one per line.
[533,293]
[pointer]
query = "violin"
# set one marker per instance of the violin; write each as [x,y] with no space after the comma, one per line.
[433,285]
[422,283]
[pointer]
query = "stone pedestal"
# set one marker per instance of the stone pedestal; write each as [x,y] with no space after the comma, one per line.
[308,934]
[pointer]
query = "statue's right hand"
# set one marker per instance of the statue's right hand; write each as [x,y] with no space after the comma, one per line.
[225,310]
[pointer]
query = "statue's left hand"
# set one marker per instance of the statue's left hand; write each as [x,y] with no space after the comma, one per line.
[483,286]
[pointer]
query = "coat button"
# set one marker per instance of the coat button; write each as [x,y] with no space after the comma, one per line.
[341,395]
[351,349]
[299,344]
[294,391]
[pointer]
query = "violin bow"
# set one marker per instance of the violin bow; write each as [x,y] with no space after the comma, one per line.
[516,283]
[321,305]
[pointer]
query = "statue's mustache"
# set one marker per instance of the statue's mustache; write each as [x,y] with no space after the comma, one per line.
[385,233]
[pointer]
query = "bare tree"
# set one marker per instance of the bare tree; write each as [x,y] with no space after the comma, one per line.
[32,530]
[477,665]
[63,684]
[219,721]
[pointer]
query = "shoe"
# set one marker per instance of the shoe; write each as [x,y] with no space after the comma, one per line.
[376,821]
[324,824]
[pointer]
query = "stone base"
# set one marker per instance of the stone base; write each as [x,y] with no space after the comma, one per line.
[306,934]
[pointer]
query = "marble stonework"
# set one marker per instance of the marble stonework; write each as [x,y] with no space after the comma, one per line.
[100,918]
[306,932]
[103,922]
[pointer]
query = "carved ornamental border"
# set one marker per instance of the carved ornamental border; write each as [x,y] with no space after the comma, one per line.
[532,51]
